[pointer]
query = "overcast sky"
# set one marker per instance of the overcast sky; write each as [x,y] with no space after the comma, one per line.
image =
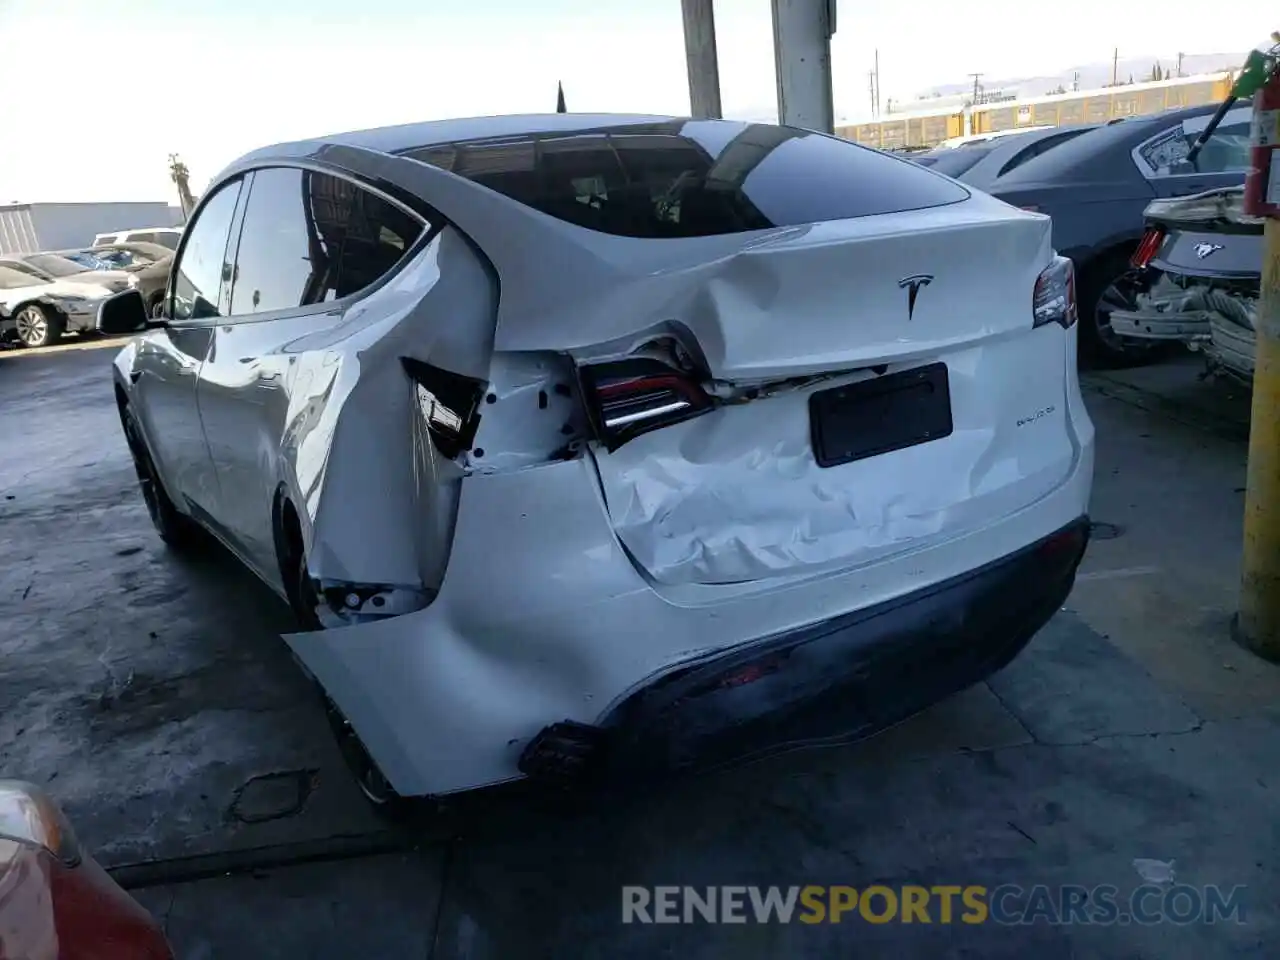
[108,90]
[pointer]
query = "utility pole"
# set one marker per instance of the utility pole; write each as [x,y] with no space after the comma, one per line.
[1257,624]
[180,176]
[802,31]
[704,65]
[1075,81]
[1180,56]
[877,72]
[871,88]
[976,87]
[1115,68]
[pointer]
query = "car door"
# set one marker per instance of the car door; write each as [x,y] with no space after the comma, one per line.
[1222,161]
[167,366]
[308,241]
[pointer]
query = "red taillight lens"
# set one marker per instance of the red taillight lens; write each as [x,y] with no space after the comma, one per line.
[1148,248]
[631,397]
[1054,300]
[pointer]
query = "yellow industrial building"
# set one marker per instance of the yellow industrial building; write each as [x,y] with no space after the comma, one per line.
[924,129]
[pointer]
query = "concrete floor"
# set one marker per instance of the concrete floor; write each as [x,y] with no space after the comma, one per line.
[149,694]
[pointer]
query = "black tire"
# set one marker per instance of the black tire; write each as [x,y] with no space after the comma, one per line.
[36,325]
[1104,284]
[175,528]
[382,798]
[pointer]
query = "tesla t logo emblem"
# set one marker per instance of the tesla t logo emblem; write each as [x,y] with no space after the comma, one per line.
[912,285]
[1204,249]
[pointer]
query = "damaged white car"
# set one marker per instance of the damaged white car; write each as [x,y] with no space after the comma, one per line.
[584,444]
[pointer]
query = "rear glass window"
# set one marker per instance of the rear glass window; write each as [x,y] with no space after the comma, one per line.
[955,162]
[693,178]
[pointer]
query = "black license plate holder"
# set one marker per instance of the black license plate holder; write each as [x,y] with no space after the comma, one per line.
[880,415]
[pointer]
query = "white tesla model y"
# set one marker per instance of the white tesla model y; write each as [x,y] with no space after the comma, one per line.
[603,443]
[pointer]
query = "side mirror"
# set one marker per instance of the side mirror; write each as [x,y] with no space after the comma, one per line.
[123,313]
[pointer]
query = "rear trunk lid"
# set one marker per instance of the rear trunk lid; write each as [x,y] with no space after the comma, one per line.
[1207,235]
[879,387]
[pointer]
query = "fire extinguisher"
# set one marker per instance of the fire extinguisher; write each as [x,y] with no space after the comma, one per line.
[1261,80]
[1262,182]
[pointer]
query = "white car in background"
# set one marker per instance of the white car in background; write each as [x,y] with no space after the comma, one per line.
[36,312]
[164,236]
[590,443]
[973,139]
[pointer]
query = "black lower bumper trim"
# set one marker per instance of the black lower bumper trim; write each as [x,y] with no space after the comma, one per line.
[844,678]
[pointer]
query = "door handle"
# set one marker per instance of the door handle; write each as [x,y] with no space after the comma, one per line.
[135,376]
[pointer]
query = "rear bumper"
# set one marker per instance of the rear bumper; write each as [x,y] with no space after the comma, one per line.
[542,616]
[1151,325]
[845,678]
[1232,347]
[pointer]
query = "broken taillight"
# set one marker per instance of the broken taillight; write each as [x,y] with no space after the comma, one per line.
[1147,248]
[1054,300]
[448,403]
[630,397]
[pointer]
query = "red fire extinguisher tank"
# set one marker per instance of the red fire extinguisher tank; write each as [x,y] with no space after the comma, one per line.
[1262,182]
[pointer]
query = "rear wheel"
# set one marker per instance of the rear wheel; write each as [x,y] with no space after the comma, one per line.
[377,790]
[38,326]
[1108,285]
[176,529]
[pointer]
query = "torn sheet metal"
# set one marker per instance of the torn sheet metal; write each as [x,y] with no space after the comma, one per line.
[379,500]
[739,496]
[1207,209]
[1184,309]
[556,624]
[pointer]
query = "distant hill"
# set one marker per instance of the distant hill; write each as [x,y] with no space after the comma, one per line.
[1093,75]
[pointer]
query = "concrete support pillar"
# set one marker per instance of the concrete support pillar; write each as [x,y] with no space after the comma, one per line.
[704,67]
[802,31]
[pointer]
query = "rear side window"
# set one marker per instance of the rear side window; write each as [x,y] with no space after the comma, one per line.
[310,238]
[1040,146]
[143,237]
[955,162]
[693,178]
[105,239]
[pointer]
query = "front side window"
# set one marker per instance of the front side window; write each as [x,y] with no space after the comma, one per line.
[199,272]
[168,239]
[142,237]
[693,178]
[311,238]
[105,239]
